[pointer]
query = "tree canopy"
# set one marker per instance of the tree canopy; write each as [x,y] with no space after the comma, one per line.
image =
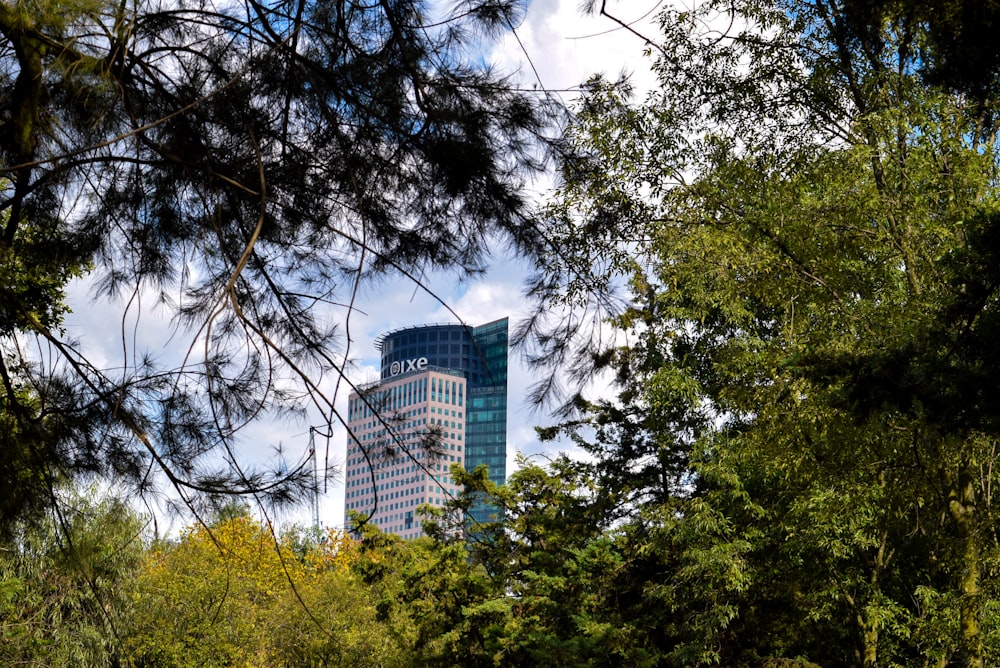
[801,224]
[245,167]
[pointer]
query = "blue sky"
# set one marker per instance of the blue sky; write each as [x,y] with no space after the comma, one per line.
[565,48]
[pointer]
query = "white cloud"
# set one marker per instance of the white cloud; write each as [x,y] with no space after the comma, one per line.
[565,48]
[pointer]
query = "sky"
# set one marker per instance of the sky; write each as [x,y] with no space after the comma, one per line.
[555,47]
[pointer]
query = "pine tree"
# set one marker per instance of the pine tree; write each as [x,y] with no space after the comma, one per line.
[247,167]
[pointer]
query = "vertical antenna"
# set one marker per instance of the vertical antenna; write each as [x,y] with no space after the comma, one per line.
[315,462]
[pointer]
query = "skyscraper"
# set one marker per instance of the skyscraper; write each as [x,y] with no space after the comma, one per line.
[441,399]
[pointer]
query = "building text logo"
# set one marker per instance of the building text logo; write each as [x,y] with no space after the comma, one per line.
[405,366]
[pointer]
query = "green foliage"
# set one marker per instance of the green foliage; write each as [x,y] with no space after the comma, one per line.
[956,49]
[234,594]
[33,274]
[802,230]
[64,581]
[554,582]
[798,234]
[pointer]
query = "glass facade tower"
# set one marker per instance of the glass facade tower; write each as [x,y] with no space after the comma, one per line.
[478,355]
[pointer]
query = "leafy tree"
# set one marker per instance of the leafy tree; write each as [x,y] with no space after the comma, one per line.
[234,594]
[547,583]
[332,618]
[957,48]
[244,167]
[64,580]
[806,228]
[204,599]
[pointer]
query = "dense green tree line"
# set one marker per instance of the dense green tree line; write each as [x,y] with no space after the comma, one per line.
[716,579]
[795,235]
[553,585]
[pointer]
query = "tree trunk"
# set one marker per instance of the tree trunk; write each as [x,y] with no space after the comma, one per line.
[962,506]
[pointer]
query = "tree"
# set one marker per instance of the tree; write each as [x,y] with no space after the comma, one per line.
[807,227]
[545,583]
[233,593]
[245,168]
[335,619]
[957,51]
[64,583]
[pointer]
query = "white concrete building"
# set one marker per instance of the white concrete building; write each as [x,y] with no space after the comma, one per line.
[405,433]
